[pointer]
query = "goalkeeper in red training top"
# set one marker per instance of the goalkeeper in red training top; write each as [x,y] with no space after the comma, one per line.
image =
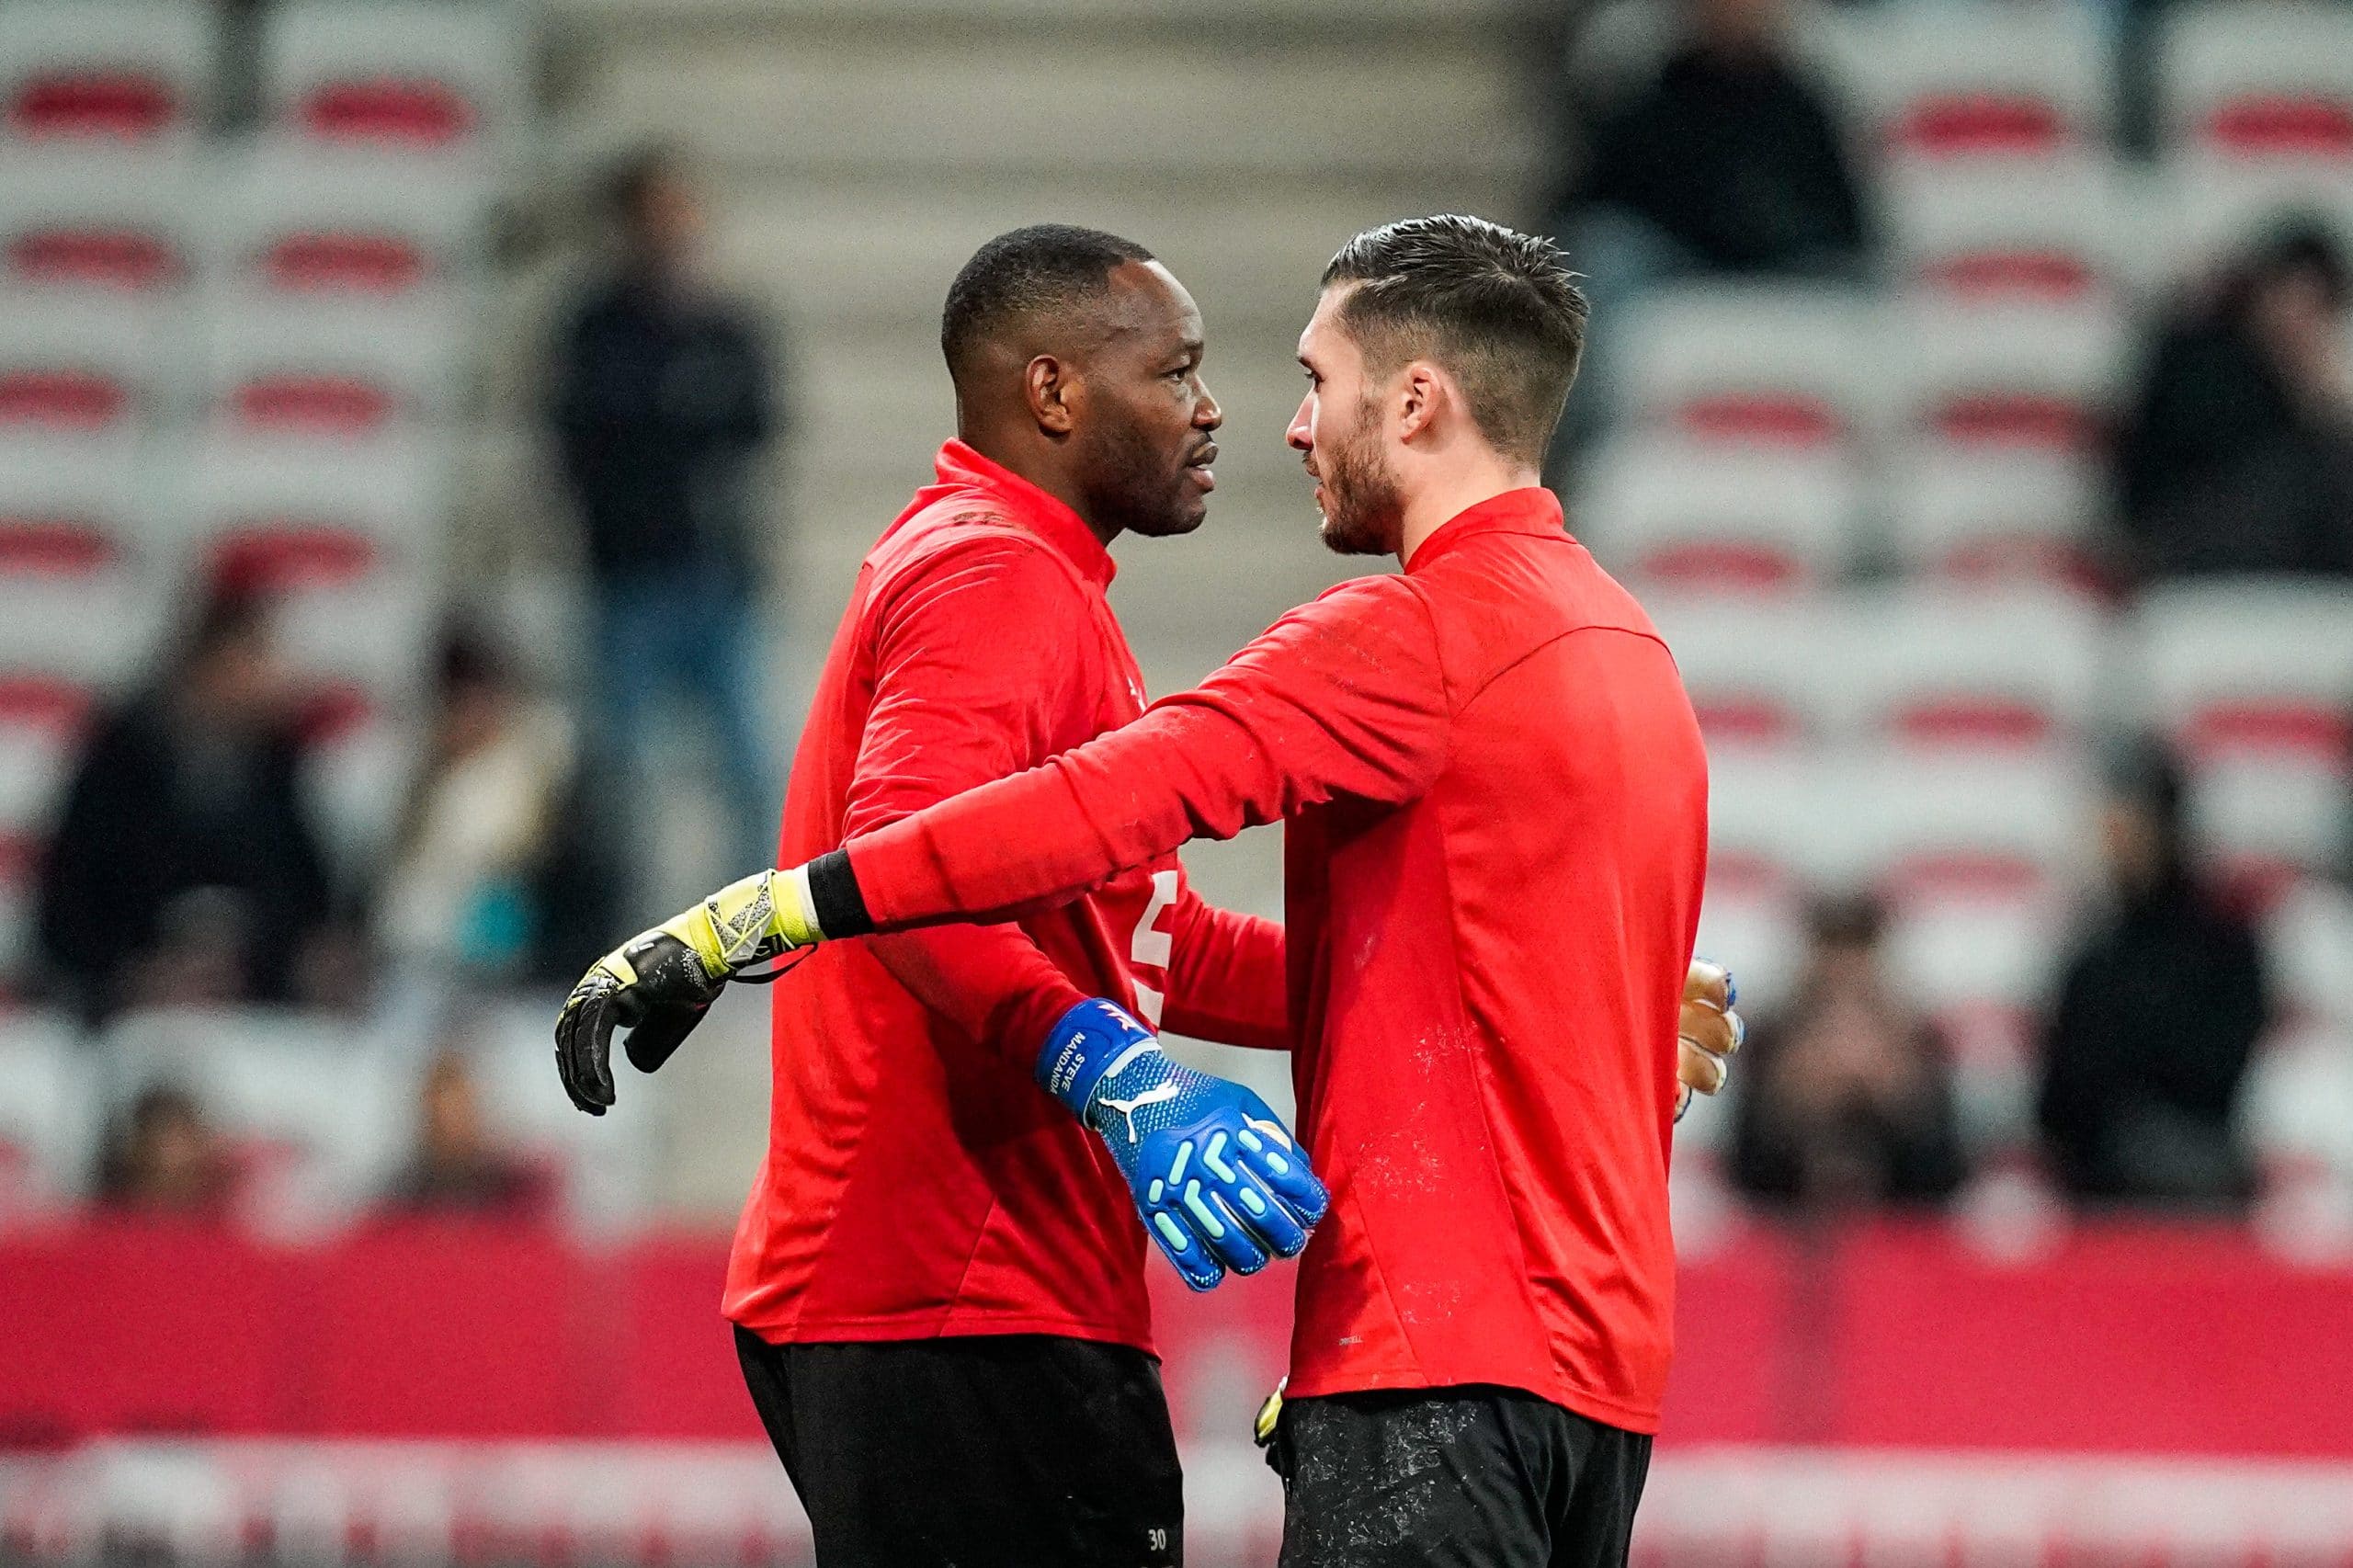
[1495,804]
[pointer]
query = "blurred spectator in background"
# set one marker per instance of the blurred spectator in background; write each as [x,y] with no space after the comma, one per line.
[184,868]
[491,865]
[2161,1006]
[2237,454]
[662,408]
[1847,1100]
[456,1168]
[164,1157]
[1729,162]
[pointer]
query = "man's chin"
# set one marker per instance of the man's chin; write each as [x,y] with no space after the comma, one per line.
[1341,538]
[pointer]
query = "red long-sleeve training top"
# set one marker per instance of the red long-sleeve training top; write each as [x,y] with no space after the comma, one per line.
[1495,808]
[917,1181]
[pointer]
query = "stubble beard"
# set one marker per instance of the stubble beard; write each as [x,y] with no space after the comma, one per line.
[1364,511]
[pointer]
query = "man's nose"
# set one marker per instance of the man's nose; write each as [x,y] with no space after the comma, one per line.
[1301,433]
[1206,414]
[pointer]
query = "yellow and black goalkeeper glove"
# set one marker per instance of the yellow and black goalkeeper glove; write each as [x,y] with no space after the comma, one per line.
[660,982]
[1710,1033]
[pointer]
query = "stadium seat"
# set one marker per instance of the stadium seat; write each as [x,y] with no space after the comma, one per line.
[123,69]
[2051,233]
[1966,833]
[328,367]
[48,1122]
[2006,376]
[282,512]
[605,1164]
[312,221]
[1754,365]
[397,73]
[1766,833]
[113,219]
[1688,515]
[64,642]
[312,1110]
[1755,670]
[2309,935]
[361,647]
[73,507]
[1935,671]
[79,362]
[2250,667]
[1990,517]
[2215,209]
[1757,932]
[2259,80]
[1972,80]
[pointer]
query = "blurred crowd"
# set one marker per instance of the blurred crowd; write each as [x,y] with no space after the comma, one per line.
[185,869]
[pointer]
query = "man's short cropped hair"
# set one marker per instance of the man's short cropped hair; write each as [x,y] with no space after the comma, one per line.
[1042,268]
[1498,309]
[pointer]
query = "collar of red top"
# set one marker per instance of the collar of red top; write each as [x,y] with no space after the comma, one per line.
[1025,504]
[1534,510]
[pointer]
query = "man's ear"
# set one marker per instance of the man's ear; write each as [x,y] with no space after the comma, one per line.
[1046,383]
[1420,390]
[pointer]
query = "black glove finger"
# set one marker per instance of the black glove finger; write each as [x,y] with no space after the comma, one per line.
[661,1032]
[567,1023]
[588,1047]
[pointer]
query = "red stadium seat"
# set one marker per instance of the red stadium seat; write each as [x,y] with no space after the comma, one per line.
[71,508]
[76,364]
[2009,376]
[118,220]
[340,369]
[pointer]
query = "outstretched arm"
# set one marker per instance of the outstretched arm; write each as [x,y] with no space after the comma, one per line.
[1341,697]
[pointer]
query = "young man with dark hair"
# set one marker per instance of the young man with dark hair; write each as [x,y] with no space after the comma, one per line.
[1494,800]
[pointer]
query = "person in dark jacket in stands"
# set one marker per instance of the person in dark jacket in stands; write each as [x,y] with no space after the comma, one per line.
[184,868]
[2237,455]
[662,406]
[1847,1100]
[1730,162]
[2159,1009]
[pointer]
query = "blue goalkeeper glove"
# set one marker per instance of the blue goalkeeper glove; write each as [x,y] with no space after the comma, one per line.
[1220,1182]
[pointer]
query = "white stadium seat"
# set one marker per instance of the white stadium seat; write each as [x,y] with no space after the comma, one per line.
[85,635]
[2006,376]
[334,367]
[2215,209]
[1792,366]
[307,221]
[2309,935]
[1766,829]
[411,74]
[1971,80]
[49,1118]
[1931,671]
[123,70]
[2258,81]
[2055,232]
[1998,516]
[276,510]
[311,1107]
[82,360]
[1946,833]
[1689,514]
[1754,669]
[79,216]
[73,507]
[2249,667]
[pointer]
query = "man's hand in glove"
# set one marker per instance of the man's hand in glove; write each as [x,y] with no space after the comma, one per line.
[660,982]
[1710,1031]
[1220,1182]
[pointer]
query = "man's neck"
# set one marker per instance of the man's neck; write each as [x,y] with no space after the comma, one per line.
[1437,504]
[1021,461]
